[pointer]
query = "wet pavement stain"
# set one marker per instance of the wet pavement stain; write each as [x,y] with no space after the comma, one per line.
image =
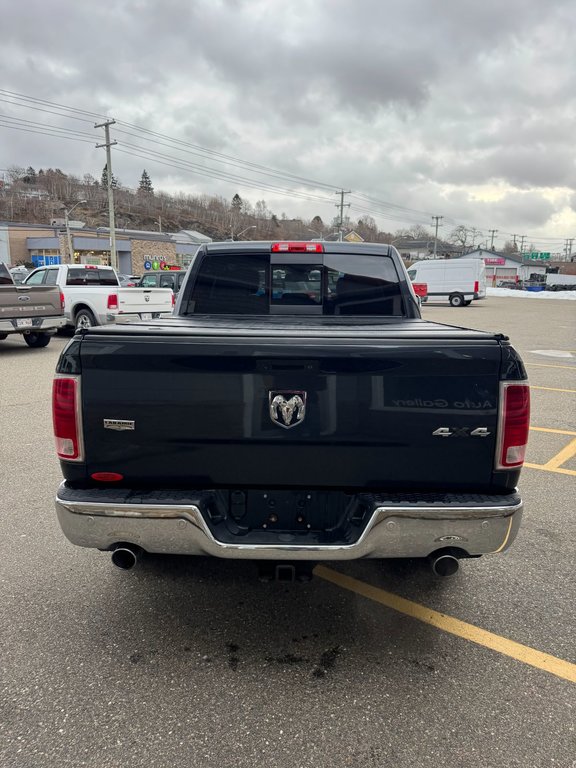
[287,659]
[233,659]
[327,661]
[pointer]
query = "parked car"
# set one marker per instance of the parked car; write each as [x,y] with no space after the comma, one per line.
[128,281]
[18,274]
[560,282]
[93,295]
[34,312]
[167,278]
[290,430]
[516,285]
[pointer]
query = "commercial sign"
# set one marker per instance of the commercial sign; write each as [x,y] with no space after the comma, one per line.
[155,264]
[494,260]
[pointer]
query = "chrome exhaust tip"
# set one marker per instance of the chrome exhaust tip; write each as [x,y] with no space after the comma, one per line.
[126,556]
[444,564]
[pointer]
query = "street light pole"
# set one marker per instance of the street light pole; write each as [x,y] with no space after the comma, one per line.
[67,221]
[437,219]
[241,233]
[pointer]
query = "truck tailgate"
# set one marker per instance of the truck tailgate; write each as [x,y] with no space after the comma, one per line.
[143,300]
[412,406]
[29,301]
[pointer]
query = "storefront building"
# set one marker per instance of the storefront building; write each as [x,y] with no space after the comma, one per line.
[31,244]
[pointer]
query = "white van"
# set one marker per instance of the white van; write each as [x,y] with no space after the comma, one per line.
[459,281]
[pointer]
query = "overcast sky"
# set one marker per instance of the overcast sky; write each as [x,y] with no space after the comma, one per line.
[458,108]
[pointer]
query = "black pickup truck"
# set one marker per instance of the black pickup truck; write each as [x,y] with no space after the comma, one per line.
[296,408]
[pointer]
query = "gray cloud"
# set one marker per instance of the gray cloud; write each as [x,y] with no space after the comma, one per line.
[410,102]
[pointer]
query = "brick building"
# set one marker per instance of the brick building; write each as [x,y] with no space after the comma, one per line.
[36,244]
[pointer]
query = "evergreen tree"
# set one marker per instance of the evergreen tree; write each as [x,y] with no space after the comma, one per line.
[30,177]
[145,187]
[237,202]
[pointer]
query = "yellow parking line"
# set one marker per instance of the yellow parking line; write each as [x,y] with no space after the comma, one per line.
[555,666]
[553,389]
[564,455]
[553,431]
[558,470]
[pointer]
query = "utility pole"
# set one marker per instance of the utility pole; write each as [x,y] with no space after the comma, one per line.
[437,219]
[342,205]
[108,144]
[68,234]
[492,233]
[515,236]
[569,253]
[522,238]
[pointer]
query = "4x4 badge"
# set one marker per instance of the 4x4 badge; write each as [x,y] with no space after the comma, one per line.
[287,408]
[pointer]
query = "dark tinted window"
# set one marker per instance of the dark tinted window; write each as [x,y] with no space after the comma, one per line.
[107,277]
[333,284]
[362,285]
[231,285]
[167,281]
[83,276]
[296,285]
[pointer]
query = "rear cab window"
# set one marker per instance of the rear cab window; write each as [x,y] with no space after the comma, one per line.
[283,283]
[91,276]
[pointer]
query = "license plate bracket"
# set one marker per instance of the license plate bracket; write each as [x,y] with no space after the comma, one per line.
[24,322]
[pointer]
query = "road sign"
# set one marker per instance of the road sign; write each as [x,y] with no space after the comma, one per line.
[538,255]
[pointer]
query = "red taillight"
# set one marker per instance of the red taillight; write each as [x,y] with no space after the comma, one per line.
[476,286]
[513,424]
[90,266]
[113,301]
[107,477]
[62,301]
[420,289]
[304,247]
[66,418]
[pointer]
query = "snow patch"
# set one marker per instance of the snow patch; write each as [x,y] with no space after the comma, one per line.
[565,295]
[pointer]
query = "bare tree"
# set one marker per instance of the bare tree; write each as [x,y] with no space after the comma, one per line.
[460,236]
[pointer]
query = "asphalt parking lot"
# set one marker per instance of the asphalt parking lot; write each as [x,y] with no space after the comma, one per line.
[195,662]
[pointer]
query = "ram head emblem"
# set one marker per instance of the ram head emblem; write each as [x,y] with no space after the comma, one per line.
[287,409]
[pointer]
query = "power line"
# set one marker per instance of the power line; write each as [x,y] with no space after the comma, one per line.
[150,154]
[213,154]
[183,165]
[379,208]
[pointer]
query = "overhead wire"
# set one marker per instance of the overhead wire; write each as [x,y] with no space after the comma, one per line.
[366,204]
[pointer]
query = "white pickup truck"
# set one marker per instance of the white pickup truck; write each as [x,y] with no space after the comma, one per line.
[93,296]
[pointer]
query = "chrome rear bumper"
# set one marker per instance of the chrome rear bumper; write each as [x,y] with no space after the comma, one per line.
[393,529]
[43,324]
